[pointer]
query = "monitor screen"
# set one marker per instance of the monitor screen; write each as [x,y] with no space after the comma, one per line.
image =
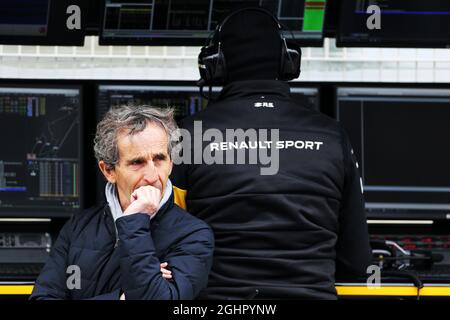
[40,157]
[42,22]
[411,23]
[400,138]
[180,22]
[186,100]
[24,17]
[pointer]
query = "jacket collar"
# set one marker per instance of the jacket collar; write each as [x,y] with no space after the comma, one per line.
[247,88]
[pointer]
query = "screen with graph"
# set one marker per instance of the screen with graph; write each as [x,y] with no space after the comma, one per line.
[191,22]
[40,154]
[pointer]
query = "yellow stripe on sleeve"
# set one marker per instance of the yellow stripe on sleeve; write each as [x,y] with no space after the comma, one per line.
[180,197]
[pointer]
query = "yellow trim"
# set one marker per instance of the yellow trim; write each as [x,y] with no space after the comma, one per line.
[16,289]
[341,290]
[180,197]
[392,291]
[436,291]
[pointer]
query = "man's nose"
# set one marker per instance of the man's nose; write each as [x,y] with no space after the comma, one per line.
[150,174]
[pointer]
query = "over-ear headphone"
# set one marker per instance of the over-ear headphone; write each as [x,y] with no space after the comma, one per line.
[212,64]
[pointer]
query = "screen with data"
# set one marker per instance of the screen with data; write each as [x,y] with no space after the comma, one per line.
[191,22]
[186,100]
[40,158]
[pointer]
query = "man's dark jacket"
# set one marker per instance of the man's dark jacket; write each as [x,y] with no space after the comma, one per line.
[282,235]
[127,259]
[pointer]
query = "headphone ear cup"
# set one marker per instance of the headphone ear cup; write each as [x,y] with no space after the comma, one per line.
[291,56]
[206,63]
[211,65]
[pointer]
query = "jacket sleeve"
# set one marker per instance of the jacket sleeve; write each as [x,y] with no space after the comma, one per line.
[189,260]
[353,250]
[51,283]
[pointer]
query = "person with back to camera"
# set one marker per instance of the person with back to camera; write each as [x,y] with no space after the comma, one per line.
[286,234]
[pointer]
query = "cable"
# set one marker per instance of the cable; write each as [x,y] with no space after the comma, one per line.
[405,274]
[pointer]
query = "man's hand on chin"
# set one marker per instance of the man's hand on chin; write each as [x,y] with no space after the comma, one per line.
[144,199]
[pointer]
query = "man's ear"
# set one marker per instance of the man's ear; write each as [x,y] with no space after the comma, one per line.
[109,174]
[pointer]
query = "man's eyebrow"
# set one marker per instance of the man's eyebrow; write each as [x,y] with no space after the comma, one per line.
[135,159]
[160,155]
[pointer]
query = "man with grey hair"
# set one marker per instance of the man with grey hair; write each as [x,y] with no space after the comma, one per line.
[138,244]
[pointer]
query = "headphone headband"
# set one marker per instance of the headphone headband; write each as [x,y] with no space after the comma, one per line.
[260,9]
[211,60]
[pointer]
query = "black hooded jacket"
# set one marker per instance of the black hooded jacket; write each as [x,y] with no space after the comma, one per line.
[283,235]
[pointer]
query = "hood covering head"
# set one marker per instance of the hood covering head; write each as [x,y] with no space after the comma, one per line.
[251,44]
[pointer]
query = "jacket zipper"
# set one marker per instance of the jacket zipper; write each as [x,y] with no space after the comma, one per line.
[117,234]
[108,212]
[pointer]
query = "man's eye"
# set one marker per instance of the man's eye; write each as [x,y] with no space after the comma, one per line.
[160,157]
[136,162]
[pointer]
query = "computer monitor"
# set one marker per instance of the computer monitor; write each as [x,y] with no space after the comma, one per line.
[40,159]
[400,137]
[41,22]
[411,23]
[27,18]
[180,22]
[186,99]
